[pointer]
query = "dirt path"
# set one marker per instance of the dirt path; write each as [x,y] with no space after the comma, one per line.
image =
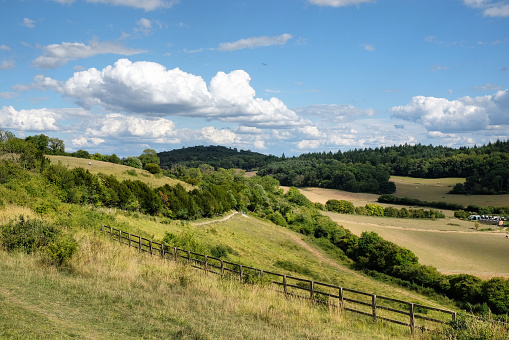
[215,221]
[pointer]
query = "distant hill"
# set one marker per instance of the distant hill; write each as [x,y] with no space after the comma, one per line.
[216,156]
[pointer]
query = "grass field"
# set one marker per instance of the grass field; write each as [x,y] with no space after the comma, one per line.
[437,190]
[120,171]
[112,292]
[450,246]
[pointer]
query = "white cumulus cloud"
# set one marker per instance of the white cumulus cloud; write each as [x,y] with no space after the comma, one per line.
[149,88]
[7,64]
[463,114]
[29,23]
[255,42]
[28,120]
[56,55]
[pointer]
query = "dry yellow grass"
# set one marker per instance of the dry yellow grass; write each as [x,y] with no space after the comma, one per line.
[120,171]
[114,292]
[437,190]
[451,249]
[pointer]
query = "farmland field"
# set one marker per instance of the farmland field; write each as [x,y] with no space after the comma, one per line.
[441,243]
[451,245]
[437,189]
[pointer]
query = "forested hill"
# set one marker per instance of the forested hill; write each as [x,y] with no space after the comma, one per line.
[486,168]
[216,156]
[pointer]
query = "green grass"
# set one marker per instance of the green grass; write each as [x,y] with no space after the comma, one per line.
[113,292]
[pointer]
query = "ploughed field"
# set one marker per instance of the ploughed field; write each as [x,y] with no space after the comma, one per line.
[451,245]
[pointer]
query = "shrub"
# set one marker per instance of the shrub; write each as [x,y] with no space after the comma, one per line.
[27,235]
[152,168]
[61,250]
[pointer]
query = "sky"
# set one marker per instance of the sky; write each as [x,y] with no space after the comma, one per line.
[284,76]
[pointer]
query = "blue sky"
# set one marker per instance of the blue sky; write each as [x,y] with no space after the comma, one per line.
[285,76]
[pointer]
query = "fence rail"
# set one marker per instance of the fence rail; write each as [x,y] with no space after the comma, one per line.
[375,306]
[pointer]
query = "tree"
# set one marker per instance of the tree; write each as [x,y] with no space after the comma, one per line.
[41,142]
[133,162]
[56,146]
[149,156]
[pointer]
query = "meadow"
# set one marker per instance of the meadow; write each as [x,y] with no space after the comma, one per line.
[122,172]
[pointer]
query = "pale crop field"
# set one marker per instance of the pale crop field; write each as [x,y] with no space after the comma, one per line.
[437,189]
[452,246]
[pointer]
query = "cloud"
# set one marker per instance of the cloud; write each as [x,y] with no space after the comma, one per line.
[8,95]
[335,113]
[497,10]
[28,120]
[490,9]
[7,64]
[463,114]
[88,142]
[255,42]
[56,55]
[144,26]
[5,48]
[147,5]
[148,88]
[28,23]
[337,3]
[488,87]
[369,47]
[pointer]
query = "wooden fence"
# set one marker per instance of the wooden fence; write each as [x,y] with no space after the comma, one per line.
[412,315]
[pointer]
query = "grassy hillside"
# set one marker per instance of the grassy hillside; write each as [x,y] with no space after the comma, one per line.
[106,284]
[122,172]
[110,291]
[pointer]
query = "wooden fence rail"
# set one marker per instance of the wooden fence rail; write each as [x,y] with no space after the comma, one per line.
[375,306]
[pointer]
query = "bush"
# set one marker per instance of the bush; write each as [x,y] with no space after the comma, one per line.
[152,168]
[27,235]
[61,250]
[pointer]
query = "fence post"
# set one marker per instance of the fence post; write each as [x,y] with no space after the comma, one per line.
[162,250]
[150,246]
[129,240]
[139,244]
[261,273]
[312,290]
[222,267]
[454,317]
[111,231]
[341,297]
[284,284]
[206,267]
[412,318]
[120,236]
[188,256]
[373,306]
[240,272]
